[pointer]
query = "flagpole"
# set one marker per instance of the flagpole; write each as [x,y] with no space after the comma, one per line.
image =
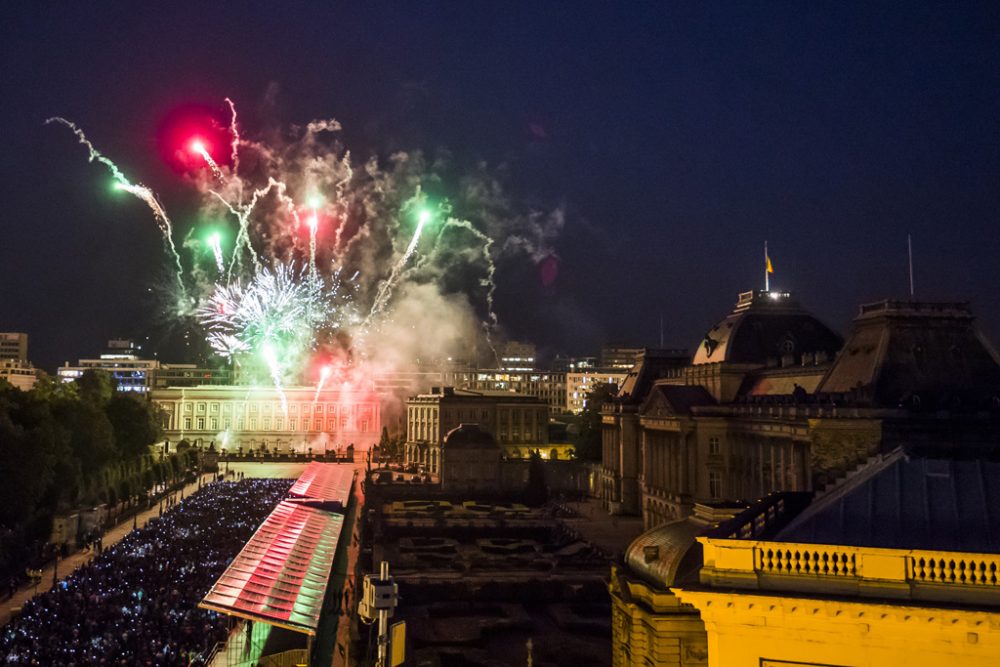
[767,278]
[909,251]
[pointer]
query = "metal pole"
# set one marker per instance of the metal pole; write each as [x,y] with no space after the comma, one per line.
[909,250]
[383,623]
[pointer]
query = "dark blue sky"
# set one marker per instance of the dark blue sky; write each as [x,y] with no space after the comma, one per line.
[679,136]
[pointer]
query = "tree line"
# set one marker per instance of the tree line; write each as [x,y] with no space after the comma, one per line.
[65,446]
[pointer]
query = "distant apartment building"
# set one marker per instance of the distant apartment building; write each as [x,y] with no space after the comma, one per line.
[121,361]
[131,373]
[567,364]
[619,357]
[14,346]
[516,356]
[189,375]
[548,386]
[19,373]
[579,384]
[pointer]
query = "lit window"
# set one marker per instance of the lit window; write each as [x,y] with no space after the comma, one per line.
[713,446]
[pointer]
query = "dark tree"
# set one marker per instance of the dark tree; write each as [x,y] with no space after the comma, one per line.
[95,387]
[134,423]
[91,437]
[588,442]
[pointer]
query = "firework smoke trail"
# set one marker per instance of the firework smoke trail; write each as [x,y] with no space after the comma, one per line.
[234,155]
[324,373]
[136,190]
[385,289]
[216,244]
[243,212]
[489,282]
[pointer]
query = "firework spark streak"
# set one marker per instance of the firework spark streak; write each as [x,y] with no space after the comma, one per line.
[199,148]
[267,351]
[216,244]
[313,224]
[135,189]
[324,374]
[385,289]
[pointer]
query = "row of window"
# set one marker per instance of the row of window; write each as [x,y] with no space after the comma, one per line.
[268,408]
[213,424]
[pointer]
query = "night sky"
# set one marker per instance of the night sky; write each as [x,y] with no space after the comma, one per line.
[677,136]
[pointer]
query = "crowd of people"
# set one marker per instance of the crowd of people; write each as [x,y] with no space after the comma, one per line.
[136,603]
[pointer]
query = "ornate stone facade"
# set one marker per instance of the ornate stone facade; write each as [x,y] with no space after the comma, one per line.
[235,417]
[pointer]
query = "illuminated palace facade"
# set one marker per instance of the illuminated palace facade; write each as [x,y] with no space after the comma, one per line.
[807,501]
[249,418]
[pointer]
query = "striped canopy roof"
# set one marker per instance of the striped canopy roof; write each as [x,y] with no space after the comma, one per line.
[325,482]
[281,574]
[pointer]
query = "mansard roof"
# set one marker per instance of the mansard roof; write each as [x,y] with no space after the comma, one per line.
[650,366]
[767,327]
[915,354]
[673,399]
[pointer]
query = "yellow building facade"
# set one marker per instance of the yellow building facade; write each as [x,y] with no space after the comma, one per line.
[779,604]
[899,565]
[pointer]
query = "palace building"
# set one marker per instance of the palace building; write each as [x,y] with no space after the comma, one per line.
[807,502]
[772,401]
[251,418]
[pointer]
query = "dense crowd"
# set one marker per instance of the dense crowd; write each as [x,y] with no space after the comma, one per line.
[136,603]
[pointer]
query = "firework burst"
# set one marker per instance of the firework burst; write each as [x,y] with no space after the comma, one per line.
[304,215]
[280,307]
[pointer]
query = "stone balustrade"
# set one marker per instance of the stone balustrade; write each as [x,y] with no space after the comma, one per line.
[837,569]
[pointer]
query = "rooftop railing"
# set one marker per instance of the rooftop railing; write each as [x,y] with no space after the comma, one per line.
[838,569]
